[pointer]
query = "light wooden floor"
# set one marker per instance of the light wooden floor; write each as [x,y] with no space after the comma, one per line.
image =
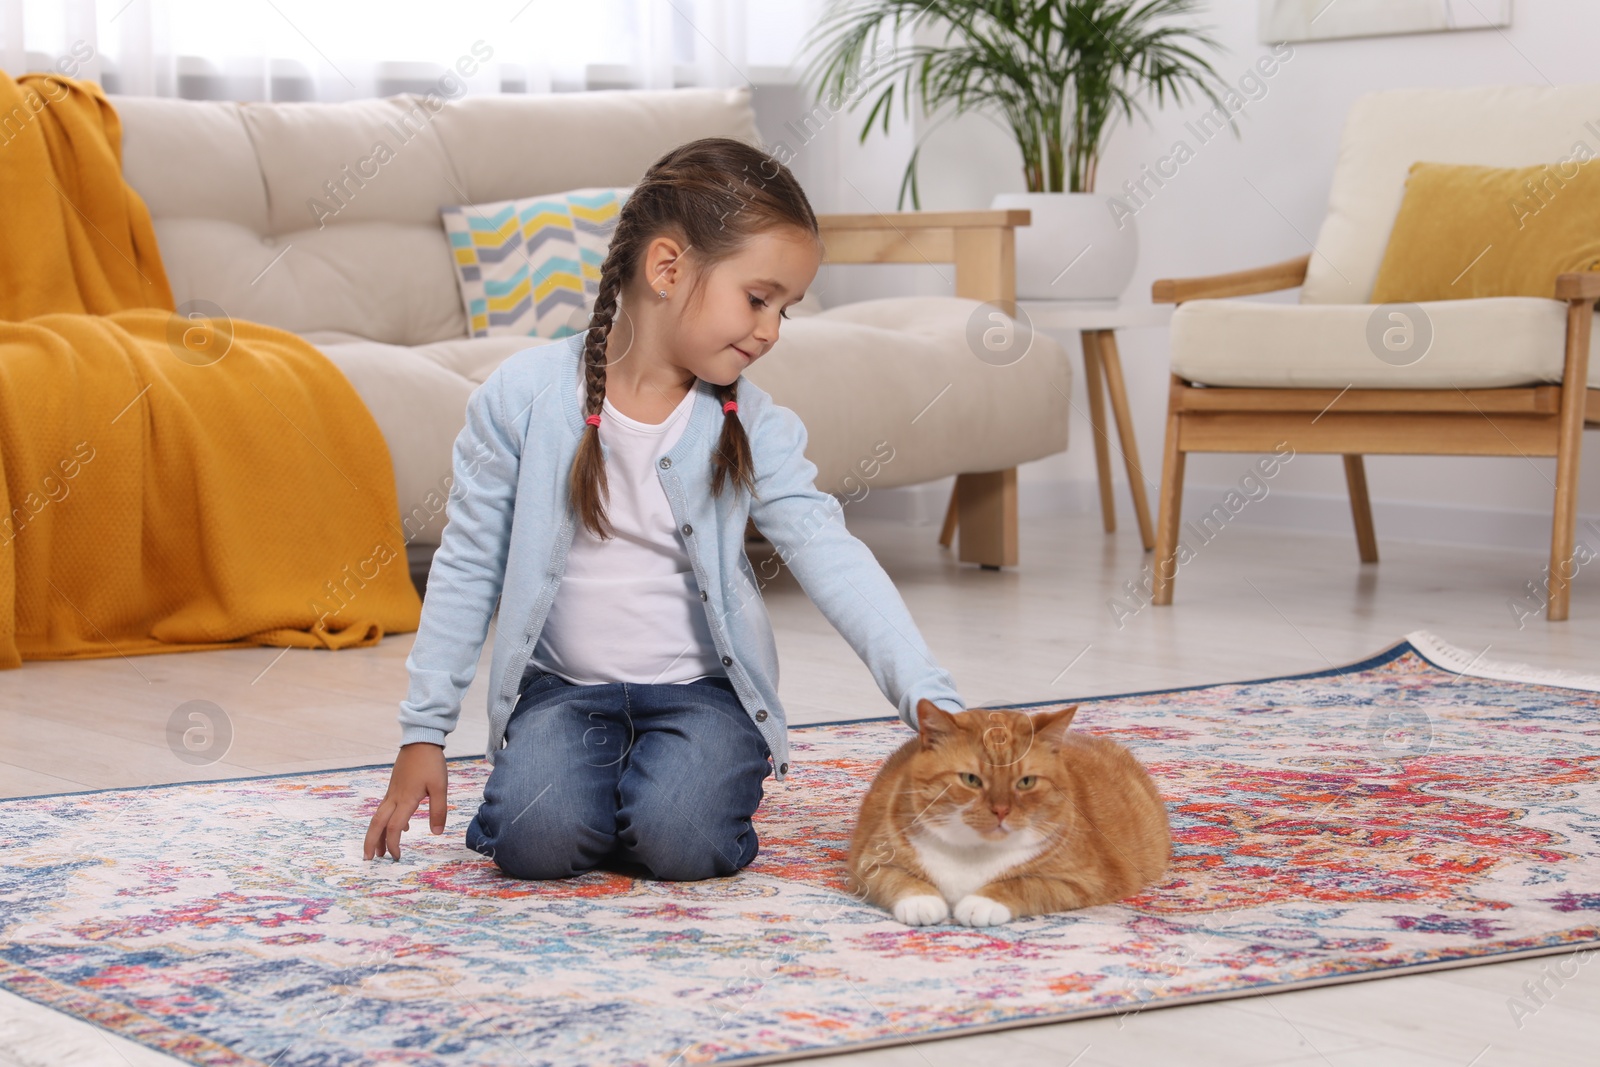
[1253,604]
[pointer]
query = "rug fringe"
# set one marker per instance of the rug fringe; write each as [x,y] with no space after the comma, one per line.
[1442,653]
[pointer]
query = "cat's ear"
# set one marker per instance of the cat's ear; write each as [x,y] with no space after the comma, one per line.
[1051,727]
[934,724]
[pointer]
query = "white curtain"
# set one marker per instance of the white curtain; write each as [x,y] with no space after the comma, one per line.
[345,49]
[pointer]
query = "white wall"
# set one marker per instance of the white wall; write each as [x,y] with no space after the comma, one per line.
[1209,219]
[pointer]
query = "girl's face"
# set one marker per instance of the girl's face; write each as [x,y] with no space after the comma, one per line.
[742,303]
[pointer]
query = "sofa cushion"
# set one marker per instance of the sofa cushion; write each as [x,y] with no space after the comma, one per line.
[531,267]
[418,397]
[372,279]
[317,217]
[513,145]
[1386,132]
[192,159]
[376,160]
[1475,344]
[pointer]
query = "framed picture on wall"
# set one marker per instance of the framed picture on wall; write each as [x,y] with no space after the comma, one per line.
[1316,20]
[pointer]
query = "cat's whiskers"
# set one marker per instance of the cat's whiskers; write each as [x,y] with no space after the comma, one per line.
[926,806]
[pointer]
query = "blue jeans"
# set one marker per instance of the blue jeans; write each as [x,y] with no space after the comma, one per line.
[653,780]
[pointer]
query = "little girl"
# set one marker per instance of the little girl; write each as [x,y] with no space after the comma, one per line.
[603,483]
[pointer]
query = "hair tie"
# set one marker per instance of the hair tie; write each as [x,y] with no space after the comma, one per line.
[593,420]
[730,407]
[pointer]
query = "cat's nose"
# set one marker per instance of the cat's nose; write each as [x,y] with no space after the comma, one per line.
[1000,813]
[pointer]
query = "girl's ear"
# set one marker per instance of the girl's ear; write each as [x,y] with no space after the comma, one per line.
[1052,726]
[934,724]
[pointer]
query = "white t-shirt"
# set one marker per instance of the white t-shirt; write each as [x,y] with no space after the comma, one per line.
[628,609]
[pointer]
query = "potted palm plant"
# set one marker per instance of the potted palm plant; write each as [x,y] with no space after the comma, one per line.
[1060,73]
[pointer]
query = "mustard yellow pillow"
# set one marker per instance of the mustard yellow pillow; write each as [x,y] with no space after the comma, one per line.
[1468,231]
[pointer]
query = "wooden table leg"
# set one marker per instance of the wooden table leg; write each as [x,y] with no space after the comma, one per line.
[1112,364]
[1097,424]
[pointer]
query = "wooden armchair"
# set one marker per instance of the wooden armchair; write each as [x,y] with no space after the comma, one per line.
[1501,376]
[1531,420]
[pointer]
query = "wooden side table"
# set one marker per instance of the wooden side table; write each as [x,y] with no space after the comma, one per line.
[1096,326]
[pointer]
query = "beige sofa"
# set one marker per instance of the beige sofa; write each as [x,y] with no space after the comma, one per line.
[289,214]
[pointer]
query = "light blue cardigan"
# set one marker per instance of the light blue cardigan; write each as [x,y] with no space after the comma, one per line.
[510,525]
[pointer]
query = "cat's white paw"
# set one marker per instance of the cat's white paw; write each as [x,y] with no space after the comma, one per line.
[974,910]
[923,909]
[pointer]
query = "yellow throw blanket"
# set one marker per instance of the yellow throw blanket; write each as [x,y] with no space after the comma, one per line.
[171,484]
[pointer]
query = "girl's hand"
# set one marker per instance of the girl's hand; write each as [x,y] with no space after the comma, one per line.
[419,771]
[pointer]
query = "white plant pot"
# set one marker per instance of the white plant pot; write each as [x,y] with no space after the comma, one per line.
[1073,249]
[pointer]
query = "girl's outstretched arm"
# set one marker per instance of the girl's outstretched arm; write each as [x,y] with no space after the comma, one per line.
[464,586]
[465,579]
[837,571]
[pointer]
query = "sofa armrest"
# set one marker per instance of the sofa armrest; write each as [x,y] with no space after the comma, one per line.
[1285,275]
[981,244]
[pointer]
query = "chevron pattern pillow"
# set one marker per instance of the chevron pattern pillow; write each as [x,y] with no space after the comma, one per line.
[532,266]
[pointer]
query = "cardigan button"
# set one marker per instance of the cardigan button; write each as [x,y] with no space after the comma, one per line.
[783,768]
[727,662]
[687,529]
[761,715]
[666,463]
[702,596]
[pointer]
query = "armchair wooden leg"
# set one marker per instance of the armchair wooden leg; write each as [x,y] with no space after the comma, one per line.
[1169,509]
[1569,447]
[1355,476]
[1563,534]
[986,502]
[947,533]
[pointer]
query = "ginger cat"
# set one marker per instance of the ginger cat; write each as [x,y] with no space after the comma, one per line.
[999,814]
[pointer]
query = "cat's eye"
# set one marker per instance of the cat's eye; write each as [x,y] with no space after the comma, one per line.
[1026,781]
[970,779]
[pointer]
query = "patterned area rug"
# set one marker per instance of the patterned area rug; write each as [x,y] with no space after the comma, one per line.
[1395,815]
